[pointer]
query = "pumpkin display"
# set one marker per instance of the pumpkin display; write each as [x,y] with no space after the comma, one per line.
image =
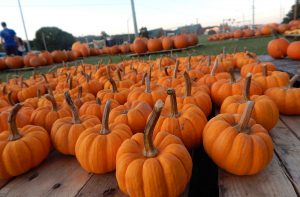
[186,122]
[46,116]
[237,144]
[293,50]
[65,131]
[97,147]
[151,167]
[286,97]
[263,105]
[21,148]
[134,114]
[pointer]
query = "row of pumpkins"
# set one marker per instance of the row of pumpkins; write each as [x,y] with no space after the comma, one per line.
[45,58]
[265,30]
[143,45]
[140,118]
[279,48]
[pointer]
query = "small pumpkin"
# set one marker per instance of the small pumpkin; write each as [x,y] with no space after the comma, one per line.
[21,148]
[237,144]
[293,50]
[147,167]
[277,48]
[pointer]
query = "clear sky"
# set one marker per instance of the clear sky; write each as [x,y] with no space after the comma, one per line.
[86,17]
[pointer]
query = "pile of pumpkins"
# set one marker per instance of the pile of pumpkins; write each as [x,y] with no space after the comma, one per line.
[140,118]
[265,30]
[45,58]
[143,45]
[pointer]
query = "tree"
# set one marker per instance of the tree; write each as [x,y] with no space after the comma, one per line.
[144,32]
[104,34]
[291,14]
[211,32]
[55,38]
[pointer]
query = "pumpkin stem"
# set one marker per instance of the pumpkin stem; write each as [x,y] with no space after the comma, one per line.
[70,83]
[150,150]
[144,78]
[159,64]
[119,74]
[247,84]
[244,120]
[53,102]
[208,60]
[214,68]
[49,90]
[108,71]
[174,109]
[150,72]
[166,71]
[45,78]
[98,101]
[292,81]
[188,84]
[79,92]
[232,77]
[4,90]
[176,69]
[148,84]
[188,68]
[12,125]
[135,71]
[114,85]
[264,70]
[105,128]
[38,93]
[74,110]
[9,98]
[25,84]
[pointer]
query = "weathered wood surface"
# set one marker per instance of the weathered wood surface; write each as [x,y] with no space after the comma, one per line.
[281,177]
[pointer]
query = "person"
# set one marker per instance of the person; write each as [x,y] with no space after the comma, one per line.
[21,46]
[10,40]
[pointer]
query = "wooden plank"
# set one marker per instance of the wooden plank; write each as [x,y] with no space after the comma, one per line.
[106,185]
[59,175]
[293,123]
[287,147]
[270,182]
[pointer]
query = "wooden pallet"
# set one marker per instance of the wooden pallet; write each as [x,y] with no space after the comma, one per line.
[164,51]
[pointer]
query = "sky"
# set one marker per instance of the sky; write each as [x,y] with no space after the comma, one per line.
[90,17]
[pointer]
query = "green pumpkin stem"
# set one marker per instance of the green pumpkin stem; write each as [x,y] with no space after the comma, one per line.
[12,125]
[214,68]
[244,120]
[53,102]
[247,84]
[292,81]
[73,107]
[188,84]
[105,128]
[149,149]
[174,109]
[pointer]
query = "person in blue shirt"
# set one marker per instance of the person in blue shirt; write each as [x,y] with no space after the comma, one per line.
[10,40]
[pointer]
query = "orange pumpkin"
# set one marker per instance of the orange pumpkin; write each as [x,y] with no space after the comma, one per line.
[277,48]
[154,45]
[293,50]
[14,62]
[139,46]
[236,144]
[167,43]
[180,41]
[47,56]
[256,68]
[151,167]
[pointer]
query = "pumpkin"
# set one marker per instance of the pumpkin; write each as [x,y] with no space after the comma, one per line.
[180,41]
[286,98]
[37,61]
[147,167]
[65,131]
[154,45]
[118,94]
[47,56]
[96,107]
[46,116]
[167,43]
[271,79]
[256,68]
[139,46]
[238,34]
[3,66]
[282,28]
[186,122]
[93,86]
[14,62]
[277,48]
[266,30]
[72,55]
[21,148]
[97,147]
[293,50]
[134,114]
[221,89]
[265,111]
[59,56]
[237,144]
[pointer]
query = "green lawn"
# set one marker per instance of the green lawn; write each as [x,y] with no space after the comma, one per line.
[257,45]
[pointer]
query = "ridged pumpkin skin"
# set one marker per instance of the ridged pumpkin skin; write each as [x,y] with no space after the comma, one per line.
[273,79]
[180,41]
[134,114]
[244,152]
[167,43]
[30,146]
[277,48]
[293,51]
[154,45]
[140,46]
[97,147]
[255,68]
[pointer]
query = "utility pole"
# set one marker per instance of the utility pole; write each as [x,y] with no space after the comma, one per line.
[44,41]
[296,10]
[253,14]
[23,21]
[134,18]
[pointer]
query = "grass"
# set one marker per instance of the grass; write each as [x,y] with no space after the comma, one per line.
[257,45]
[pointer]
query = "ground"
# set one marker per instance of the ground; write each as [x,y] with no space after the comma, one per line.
[257,45]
